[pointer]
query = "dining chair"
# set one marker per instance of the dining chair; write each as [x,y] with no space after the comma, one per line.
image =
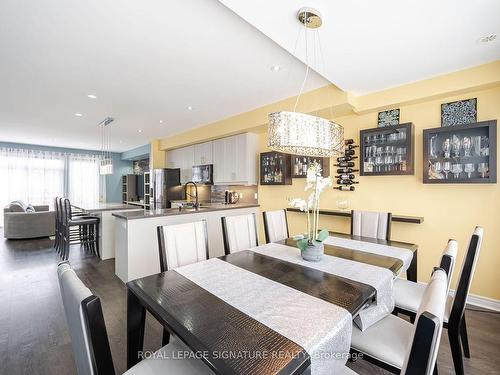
[180,245]
[87,230]
[454,316]
[89,337]
[408,294]
[275,225]
[371,224]
[57,241]
[398,346]
[239,233]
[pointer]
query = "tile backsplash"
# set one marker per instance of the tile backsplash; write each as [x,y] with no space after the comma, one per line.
[215,193]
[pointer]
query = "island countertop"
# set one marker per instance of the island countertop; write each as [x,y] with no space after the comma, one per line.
[207,207]
[102,206]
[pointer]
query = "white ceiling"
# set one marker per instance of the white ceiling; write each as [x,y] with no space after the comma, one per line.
[145,60]
[373,45]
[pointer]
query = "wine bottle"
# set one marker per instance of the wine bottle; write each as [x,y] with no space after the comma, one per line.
[344,188]
[346,158]
[347,170]
[349,152]
[344,164]
[348,141]
[347,182]
[345,176]
[350,147]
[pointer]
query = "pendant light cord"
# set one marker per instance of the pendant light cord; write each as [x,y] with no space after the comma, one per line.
[307,66]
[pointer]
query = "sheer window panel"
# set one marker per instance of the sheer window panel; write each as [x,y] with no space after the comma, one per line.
[84,179]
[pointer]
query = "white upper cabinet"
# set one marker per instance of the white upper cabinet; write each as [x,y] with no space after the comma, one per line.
[235,160]
[203,153]
[182,158]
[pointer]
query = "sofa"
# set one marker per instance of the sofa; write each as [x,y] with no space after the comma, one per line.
[25,221]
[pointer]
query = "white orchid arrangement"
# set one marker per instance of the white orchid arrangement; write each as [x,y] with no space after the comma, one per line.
[316,184]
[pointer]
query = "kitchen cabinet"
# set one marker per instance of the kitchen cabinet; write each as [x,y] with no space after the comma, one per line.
[235,160]
[182,158]
[203,153]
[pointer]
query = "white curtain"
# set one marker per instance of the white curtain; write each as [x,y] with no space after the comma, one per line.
[37,177]
[34,177]
[83,178]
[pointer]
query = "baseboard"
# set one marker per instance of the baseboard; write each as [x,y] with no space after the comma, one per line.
[478,301]
[483,302]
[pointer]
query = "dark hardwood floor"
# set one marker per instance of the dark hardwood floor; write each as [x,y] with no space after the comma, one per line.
[34,338]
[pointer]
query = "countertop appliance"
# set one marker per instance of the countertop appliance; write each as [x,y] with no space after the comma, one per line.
[231,197]
[203,174]
[166,186]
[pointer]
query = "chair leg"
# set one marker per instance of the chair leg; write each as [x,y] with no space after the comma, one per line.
[456,349]
[165,338]
[464,338]
[435,368]
[96,238]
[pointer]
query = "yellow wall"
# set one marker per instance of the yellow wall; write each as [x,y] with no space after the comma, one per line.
[450,211]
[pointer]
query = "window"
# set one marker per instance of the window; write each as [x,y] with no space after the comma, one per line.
[37,177]
[83,178]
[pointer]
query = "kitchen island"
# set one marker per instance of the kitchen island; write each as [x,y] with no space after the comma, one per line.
[136,243]
[106,226]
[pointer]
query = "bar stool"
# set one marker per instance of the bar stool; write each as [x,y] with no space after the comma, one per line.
[83,230]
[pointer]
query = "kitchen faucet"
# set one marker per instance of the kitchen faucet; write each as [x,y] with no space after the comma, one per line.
[197,204]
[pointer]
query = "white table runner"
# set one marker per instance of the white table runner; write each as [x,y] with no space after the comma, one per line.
[405,255]
[321,328]
[379,278]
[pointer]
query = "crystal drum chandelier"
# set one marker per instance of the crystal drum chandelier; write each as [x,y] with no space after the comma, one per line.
[300,133]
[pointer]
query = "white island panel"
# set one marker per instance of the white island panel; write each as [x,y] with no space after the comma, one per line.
[136,242]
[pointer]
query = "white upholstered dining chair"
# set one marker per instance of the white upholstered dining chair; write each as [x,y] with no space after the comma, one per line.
[408,294]
[89,337]
[454,315]
[239,232]
[182,244]
[371,224]
[275,225]
[397,345]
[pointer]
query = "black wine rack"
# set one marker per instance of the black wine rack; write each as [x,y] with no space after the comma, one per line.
[345,167]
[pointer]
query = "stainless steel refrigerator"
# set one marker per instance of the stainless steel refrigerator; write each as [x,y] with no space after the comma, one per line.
[166,186]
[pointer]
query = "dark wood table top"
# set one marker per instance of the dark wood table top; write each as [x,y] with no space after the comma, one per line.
[209,325]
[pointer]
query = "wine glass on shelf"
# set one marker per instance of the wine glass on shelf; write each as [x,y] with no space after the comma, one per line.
[467,146]
[483,169]
[446,168]
[378,163]
[469,169]
[446,147]
[456,170]
[438,168]
[456,145]
[433,146]
[476,145]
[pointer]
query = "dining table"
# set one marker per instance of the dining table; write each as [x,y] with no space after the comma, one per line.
[266,310]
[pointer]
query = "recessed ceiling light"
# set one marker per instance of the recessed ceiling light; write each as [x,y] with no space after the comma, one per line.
[488,38]
[140,130]
[92,96]
[78,115]
[275,68]
[161,121]
[189,108]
